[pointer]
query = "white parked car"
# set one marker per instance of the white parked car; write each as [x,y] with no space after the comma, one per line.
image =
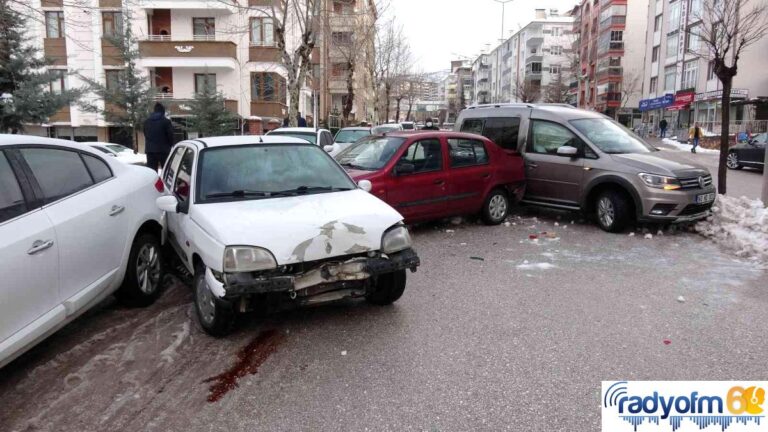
[75,227]
[346,137]
[321,137]
[122,153]
[275,220]
[385,128]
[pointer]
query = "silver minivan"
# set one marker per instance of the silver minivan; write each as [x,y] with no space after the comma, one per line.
[582,160]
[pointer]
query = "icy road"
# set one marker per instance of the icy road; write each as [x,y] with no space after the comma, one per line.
[503,328]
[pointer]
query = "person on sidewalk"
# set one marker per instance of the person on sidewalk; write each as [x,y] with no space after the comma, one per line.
[429,125]
[663,127]
[302,122]
[158,138]
[694,134]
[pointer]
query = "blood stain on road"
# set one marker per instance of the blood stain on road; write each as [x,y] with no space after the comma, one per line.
[249,359]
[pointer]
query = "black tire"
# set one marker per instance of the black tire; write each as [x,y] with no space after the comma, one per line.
[144,276]
[495,207]
[613,211]
[733,161]
[216,316]
[389,288]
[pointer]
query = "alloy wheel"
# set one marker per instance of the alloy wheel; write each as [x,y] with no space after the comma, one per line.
[605,211]
[205,301]
[497,207]
[733,160]
[148,269]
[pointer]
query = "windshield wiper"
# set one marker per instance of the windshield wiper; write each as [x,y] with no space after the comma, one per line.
[302,190]
[241,193]
[357,167]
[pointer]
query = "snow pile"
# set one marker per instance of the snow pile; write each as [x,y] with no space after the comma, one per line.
[687,147]
[740,224]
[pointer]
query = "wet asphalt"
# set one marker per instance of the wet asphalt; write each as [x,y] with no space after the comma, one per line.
[494,332]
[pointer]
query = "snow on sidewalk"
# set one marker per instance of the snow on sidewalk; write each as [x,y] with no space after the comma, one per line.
[740,224]
[686,147]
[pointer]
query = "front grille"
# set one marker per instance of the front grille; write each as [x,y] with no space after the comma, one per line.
[693,182]
[692,209]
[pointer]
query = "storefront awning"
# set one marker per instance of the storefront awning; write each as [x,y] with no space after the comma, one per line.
[682,101]
[656,103]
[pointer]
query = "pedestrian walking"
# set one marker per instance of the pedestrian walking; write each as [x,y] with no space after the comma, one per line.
[158,138]
[286,121]
[663,128]
[302,121]
[694,134]
[430,126]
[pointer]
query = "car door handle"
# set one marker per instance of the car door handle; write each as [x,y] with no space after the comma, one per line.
[486,175]
[116,210]
[39,246]
[531,165]
[439,182]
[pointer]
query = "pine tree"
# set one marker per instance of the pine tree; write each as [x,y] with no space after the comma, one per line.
[24,77]
[129,98]
[211,118]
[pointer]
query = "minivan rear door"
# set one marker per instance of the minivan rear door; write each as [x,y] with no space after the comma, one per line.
[552,178]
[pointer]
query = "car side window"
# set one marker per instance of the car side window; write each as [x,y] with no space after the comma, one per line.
[547,137]
[98,168]
[327,139]
[172,166]
[474,126]
[425,155]
[12,202]
[504,131]
[466,152]
[59,173]
[181,187]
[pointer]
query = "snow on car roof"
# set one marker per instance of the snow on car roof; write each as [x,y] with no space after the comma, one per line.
[246,139]
[8,139]
[296,129]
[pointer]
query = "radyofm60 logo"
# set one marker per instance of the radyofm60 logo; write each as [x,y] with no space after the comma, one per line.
[684,406]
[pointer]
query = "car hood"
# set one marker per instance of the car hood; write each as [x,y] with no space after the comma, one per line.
[358,175]
[302,228]
[652,164]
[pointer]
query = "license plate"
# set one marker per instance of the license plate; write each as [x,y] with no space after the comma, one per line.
[705,198]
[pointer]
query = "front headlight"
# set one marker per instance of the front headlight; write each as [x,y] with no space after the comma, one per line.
[247,259]
[395,239]
[660,182]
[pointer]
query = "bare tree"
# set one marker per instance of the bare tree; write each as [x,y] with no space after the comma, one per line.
[557,90]
[415,83]
[630,86]
[527,91]
[392,57]
[726,29]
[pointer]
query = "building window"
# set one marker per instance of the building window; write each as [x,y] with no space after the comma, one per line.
[344,6]
[669,78]
[654,84]
[262,32]
[690,74]
[554,69]
[205,81]
[692,40]
[655,54]
[58,83]
[339,69]
[556,31]
[112,23]
[54,24]
[674,17]
[112,79]
[711,70]
[657,23]
[672,46]
[267,87]
[341,38]
[536,67]
[556,50]
[204,28]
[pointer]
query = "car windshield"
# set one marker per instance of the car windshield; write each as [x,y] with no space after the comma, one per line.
[378,130]
[370,154]
[117,148]
[263,171]
[351,135]
[103,150]
[610,137]
[407,126]
[309,136]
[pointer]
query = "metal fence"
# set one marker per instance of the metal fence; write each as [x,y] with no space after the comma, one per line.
[734,127]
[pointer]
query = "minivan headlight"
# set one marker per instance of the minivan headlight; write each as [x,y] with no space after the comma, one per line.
[395,239]
[660,182]
[239,259]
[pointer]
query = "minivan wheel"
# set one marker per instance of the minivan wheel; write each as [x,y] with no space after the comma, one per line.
[144,275]
[216,316]
[389,288]
[495,207]
[612,211]
[733,161]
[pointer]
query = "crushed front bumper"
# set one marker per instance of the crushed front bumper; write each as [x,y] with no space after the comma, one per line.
[333,272]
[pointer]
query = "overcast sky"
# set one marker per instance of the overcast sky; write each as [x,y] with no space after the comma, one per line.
[442,30]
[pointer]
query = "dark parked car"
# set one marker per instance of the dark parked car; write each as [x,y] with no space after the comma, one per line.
[432,174]
[749,154]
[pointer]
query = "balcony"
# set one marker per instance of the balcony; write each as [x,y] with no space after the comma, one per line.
[269,54]
[55,49]
[163,53]
[609,97]
[613,72]
[183,106]
[269,109]
[186,4]
[533,59]
[62,116]
[616,22]
[534,41]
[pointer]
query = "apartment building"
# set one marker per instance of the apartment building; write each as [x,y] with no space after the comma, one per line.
[531,58]
[610,43]
[183,46]
[681,87]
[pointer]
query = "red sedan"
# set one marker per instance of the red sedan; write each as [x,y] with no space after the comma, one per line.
[432,175]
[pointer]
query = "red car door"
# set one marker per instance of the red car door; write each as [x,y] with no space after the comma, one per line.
[470,174]
[418,189]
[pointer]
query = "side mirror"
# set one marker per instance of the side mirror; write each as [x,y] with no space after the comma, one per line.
[328,148]
[168,203]
[365,185]
[567,151]
[403,168]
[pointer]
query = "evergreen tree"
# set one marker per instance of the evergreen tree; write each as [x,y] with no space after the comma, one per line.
[25,80]
[210,118]
[128,97]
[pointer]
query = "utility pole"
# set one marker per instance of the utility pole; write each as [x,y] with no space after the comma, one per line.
[503,6]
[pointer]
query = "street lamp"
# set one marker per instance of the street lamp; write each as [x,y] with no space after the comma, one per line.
[503,6]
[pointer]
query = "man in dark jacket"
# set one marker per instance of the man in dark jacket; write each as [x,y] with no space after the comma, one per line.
[302,122]
[663,127]
[158,138]
[429,125]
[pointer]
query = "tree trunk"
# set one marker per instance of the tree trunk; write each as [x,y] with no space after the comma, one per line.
[387,95]
[397,111]
[722,169]
[350,94]
[765,178]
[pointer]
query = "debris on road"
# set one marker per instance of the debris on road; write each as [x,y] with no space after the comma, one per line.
[456,221]
[681,299]
[649,236]
[449,231]
[667,341]
[344,353]
[536,266]
[477,258]
[632,234]
[506,224]
[532,236]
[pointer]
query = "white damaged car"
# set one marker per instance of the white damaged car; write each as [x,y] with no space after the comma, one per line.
[275,221]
